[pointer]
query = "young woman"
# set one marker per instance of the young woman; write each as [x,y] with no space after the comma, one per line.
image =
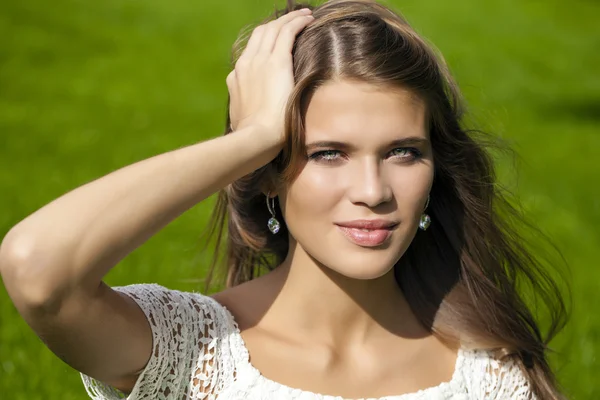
[392,267]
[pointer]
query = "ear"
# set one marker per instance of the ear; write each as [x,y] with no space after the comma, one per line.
[268,184]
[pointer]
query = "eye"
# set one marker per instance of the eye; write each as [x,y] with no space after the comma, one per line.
[406,153]
[326,156]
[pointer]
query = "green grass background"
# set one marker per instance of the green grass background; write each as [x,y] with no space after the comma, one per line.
[88,87]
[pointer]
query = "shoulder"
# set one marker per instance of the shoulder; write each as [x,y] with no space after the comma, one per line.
[189,313]
[188,329]
[154,297]
[490,377]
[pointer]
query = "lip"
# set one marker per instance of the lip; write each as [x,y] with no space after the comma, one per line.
[369,224]
[367,233]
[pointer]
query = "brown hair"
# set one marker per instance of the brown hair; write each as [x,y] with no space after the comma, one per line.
[465,278]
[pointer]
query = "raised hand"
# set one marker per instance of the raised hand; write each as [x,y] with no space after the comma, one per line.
[262,80]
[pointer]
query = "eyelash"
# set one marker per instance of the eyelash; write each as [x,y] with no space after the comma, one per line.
[320,155]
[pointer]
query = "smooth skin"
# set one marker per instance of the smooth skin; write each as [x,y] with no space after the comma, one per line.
[52,263]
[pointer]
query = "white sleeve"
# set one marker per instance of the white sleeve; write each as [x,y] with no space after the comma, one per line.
[491,378]
[183,345]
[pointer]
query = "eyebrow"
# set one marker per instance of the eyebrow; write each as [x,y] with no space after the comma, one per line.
[412,140]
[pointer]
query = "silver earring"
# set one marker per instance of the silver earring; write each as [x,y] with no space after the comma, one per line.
[425,219]
[273,224]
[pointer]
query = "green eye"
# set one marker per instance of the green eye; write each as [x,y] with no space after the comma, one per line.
[329,154]
[400,152]
[325,155]
[406,152]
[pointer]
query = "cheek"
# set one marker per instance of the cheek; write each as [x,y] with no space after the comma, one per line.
[313,194]
[411,187]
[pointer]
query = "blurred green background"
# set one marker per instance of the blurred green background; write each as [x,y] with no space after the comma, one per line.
[89,87]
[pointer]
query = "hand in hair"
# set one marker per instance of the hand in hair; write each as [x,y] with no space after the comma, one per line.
[262,80]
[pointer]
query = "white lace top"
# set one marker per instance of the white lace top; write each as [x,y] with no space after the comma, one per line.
[199,354]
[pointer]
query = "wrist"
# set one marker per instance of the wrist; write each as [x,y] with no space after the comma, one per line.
[269,138]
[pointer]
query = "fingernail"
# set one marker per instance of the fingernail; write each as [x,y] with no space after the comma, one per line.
[306,10]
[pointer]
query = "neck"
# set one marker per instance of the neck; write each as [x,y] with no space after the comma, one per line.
[317,301]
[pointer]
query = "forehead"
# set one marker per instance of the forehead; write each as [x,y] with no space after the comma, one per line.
[348,109]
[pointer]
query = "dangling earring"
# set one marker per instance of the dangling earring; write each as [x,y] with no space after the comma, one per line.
[273,224]
[425,219]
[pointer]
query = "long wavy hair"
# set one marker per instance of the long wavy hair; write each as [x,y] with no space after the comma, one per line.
[466,278]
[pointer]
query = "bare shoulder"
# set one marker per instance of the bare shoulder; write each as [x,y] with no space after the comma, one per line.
[249,301]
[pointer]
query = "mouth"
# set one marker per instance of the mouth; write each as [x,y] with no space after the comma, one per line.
[368,233]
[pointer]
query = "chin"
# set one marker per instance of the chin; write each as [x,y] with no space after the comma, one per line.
[363,274]
[363,266]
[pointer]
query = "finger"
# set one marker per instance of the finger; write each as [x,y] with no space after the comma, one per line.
[254,42]
[284,19]
[274,27]
[287,36]
[231,81]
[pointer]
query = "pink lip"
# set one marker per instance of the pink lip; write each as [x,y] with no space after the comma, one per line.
[367,233]
[369,224]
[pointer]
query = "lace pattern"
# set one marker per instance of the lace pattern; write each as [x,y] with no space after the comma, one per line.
[198,353]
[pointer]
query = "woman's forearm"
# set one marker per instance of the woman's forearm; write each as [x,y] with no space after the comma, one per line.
[73,241]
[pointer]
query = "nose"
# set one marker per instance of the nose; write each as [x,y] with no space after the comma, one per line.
[369,185]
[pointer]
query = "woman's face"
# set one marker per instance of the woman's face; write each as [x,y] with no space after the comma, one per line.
[356,203]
